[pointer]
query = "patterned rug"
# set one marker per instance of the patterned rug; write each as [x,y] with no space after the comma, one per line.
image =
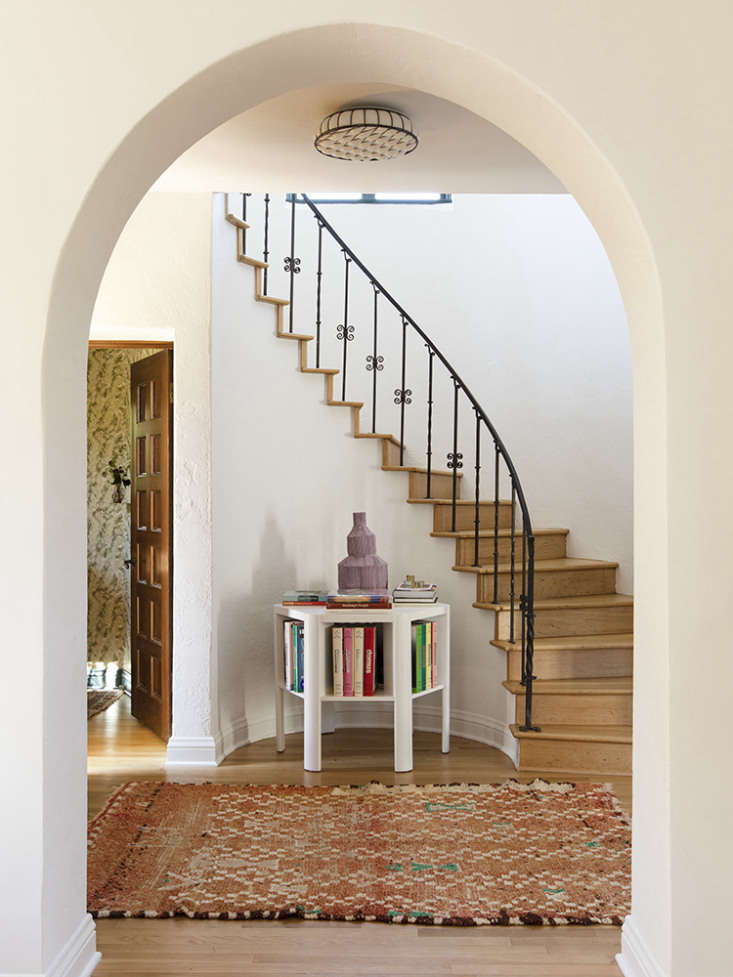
[459,854]
[99,699]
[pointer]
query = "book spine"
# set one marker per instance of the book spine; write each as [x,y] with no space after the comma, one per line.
[369,660]
[435,653]
[428,655]
[301,657]
[421,657]
[288,678]
[358,661]
[348,661]
[414,657]
[337,653]
[293,657]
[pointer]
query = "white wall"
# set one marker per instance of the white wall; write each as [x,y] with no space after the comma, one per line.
[157,286]
[519,295]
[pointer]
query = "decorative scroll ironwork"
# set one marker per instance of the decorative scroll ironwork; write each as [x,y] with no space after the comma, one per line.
[374,362]
[455,460]
[345,333]
[292,265]
[403,396]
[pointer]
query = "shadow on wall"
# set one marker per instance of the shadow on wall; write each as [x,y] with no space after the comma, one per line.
[245,659]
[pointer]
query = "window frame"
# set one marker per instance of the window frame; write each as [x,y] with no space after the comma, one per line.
[371,199]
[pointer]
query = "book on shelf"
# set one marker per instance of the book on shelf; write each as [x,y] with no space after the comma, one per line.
[424,665]
[355,599]
[354,656]
[293,655]
[304,598]
[412,591]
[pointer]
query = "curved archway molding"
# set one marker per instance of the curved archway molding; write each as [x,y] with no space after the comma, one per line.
[180,104]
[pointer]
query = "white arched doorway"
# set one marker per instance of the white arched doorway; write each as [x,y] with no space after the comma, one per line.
[226,88]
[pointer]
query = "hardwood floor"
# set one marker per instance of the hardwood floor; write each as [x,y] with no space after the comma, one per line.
[120,749]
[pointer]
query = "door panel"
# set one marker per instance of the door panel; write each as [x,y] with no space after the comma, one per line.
[151,538]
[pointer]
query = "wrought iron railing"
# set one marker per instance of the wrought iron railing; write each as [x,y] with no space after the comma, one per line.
[513,573]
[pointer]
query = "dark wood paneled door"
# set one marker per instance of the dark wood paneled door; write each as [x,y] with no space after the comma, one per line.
[151,534]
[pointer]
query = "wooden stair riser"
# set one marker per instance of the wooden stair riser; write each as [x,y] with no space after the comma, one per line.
[547,547]
[549,583]
[465,515]
[552,622]
[614,709]
[390,453]
[441,486]
[574,663]
[574,756]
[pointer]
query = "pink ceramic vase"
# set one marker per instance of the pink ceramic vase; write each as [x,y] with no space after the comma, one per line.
[362,569]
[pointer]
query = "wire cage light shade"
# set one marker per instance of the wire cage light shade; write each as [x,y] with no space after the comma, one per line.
[366,133]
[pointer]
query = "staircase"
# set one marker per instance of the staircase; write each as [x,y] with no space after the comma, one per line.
[566,633]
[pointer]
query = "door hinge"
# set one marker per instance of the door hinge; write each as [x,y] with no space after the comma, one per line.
[170,388]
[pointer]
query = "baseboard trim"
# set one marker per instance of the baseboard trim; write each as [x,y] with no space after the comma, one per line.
[79,957]
[636,959]
[192,751]
[467,725]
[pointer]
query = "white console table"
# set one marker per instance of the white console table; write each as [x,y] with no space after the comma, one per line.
[397,655]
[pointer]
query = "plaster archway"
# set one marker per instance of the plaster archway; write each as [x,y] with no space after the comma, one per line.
[296,60]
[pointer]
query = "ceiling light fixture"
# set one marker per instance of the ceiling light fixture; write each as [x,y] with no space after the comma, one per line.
[366,133]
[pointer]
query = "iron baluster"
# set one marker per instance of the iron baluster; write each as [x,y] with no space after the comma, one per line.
[429,452]
[244,220]
[455,458]
[477,512]
[266,250]
[292,264]
[345,332]
[402,395]
[530,676]
[375,363]
[511,566]
[496,522]
[523,604]
[319,277]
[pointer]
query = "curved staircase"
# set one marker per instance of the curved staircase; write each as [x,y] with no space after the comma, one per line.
[581,657]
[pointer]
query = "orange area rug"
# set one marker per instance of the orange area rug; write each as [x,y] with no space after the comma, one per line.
[463,854]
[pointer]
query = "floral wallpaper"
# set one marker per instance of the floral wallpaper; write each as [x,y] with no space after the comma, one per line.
[108,522]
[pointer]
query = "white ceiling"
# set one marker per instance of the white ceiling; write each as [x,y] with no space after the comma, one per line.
[270,148]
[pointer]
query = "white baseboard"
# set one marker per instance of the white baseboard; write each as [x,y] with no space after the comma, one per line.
[635,959]
[79,956]
[192,751]
[468,725]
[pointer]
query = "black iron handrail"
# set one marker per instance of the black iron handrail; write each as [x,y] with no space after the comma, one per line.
[525,602]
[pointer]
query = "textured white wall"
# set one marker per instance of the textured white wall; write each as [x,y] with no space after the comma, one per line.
[519,295]
[157,286]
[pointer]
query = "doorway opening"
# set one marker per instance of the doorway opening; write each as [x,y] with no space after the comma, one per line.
[129,535]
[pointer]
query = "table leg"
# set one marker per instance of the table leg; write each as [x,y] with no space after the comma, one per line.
[279,694]
[403,696]
[312,696]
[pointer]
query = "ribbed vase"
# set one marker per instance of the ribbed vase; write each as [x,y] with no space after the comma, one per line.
[362,569]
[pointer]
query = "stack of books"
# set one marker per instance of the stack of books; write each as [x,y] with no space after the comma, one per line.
[359,599]
[304,598]
[354,656]
[412,591]
[424,656]
[293,635]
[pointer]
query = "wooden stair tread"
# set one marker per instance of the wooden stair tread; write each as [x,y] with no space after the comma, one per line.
[449,502]
[254,262]
[319,369]
[345,403]
[384,437]
[300,336]
[571,642]
[586,734]
[558,565]
[237,221]
[418,471]
[610,685]
[488,533]
[564,603]
[271,299]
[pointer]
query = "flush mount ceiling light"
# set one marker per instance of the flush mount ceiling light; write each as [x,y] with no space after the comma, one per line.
[366,133]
